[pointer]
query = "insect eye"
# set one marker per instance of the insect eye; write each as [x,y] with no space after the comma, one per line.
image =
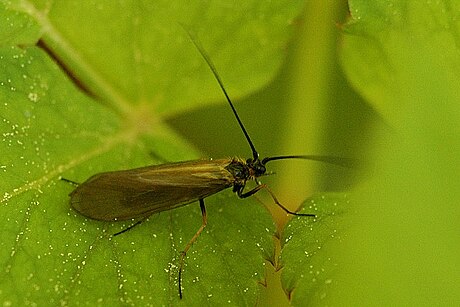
[261,169]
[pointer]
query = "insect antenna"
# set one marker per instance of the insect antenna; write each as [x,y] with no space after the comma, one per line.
[203,53]
[340,161]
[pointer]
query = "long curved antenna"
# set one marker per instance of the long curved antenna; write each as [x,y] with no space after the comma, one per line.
[344,162]
[221,84]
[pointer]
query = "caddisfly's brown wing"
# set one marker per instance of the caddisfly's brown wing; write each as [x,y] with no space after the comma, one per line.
[123,195]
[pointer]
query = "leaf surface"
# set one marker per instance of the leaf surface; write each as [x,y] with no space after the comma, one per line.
[123,68]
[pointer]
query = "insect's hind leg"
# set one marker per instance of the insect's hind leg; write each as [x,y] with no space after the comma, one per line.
[189,244]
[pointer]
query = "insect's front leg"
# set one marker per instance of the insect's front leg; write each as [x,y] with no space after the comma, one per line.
[264,186]
[240,193]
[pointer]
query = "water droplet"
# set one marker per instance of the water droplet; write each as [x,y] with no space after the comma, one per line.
[33,97]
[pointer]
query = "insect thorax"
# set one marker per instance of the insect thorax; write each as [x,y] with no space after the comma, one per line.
[239,170]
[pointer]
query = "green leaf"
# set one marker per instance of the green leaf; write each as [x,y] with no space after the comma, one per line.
[16,26]
[404,245]
[135,59]
[386,43]
[308,257]
[147,57]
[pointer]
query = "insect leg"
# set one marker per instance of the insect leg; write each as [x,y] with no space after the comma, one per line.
[189,244]
[251,192]
[69,181]
[129,228]
[264,186]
